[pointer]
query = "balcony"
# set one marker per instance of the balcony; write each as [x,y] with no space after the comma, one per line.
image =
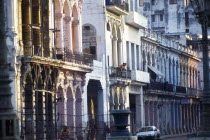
[120,73]
[136,20]
[180,89]
[140,76]
[75,57]
[192,92]
[161,87]
[119,7]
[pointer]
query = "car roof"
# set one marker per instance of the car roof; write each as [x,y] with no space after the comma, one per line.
[149,126]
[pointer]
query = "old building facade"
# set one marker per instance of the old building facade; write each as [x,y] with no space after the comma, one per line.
[56,82]
[49,67]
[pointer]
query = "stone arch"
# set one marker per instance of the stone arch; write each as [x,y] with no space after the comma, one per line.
[70,108]
[89,42]
[57,6]
[60,106]
[108,27]
[28,101]
[78,113]
[66,9]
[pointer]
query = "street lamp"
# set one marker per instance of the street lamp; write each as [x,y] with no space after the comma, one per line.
[202,12]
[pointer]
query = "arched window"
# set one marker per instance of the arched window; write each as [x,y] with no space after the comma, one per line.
[89,42]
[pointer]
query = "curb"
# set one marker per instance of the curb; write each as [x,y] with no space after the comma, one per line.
[171,136]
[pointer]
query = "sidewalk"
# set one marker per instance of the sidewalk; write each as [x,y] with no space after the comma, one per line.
[171,136]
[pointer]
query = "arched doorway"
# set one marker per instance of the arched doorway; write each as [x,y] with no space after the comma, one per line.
[78,111]
[70,109]
[95,110]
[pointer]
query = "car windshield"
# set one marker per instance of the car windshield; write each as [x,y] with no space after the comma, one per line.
[145,129]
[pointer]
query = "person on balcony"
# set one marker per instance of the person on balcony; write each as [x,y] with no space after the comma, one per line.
[123,66]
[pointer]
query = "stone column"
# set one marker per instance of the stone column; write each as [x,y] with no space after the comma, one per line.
[181,118]
[171,72]
[149,114]
[178,74]
[146,113]
[26,24]
[67,20]
[184,118]
[130,57]
[59,33]
[177,118]
[188,117]
[75,36]
[115,51]
[167,69]
[120,52]
[156,117]
[140,121]
[135,58]
[174,73]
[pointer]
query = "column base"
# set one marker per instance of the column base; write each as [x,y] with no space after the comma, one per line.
[9,126]
[200,135]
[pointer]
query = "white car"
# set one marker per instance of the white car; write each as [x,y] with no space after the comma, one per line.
[148,132]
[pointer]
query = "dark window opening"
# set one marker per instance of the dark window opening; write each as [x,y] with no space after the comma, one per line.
[173,1]
[9,128]
[187,30]
[86,27]
[153,18]
[108,27]
[187,19]
[1,128]
[153,2]
[93,50]
[161,17]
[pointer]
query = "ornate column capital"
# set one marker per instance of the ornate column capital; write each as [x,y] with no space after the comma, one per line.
[119,40]
[115,38]
[75,22]
[58,16]
[67,19]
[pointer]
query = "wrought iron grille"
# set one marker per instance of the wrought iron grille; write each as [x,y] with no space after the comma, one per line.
[180,89]
[119,3]
[120,72]
[74,57]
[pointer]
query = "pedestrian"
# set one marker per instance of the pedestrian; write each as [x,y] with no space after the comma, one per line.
[65,133]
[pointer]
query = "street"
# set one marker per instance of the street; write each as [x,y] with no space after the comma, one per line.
[176,138]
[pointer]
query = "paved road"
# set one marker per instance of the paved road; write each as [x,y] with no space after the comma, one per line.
[176,138]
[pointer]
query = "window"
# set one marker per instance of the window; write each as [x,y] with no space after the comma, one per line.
[173,1]
[86,27]
[153,2]
[153,18]
[141,2]
[187,19]
[93,50]
[161,17]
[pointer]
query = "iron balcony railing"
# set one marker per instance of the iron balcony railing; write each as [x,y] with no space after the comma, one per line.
[74,57]
[160,86]
[119,3]
[120,72]
[180,89]
[194,92]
